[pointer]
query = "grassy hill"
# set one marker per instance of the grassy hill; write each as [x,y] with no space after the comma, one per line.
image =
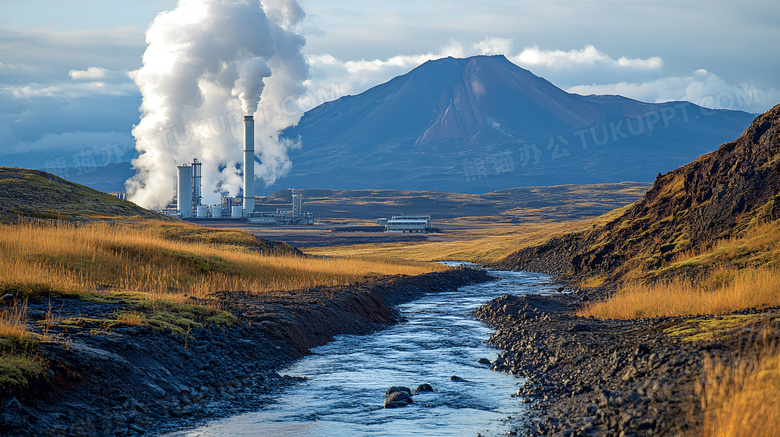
[40,195]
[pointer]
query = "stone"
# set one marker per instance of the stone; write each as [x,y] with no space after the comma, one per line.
[12,414]
[457,379]
[398,388]
[398,399]
[8,298]
[424,388]
[484,361]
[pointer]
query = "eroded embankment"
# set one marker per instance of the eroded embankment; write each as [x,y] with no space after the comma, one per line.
[609,377]
[136,381]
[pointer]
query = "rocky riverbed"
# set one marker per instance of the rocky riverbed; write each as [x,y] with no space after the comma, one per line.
[609,377]
[132,380]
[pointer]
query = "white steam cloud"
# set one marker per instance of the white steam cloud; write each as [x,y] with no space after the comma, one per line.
[208,62]
[249,86]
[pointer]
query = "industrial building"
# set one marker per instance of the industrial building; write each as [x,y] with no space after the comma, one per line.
[189,195]
[296,216]
[407,223]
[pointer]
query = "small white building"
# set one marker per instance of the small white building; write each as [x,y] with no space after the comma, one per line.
[409,223]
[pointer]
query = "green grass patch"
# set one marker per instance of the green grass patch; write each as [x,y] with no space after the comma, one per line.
[223,319]
[179,318]
[33,290]
[709,329]
[18,370]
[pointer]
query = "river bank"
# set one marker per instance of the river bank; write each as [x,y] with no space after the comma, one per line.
[132,380]
[590,376]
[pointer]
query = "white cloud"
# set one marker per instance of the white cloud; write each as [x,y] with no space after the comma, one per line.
[99,74]
[701,87]
[83,83]
[587,57]
[6,68]
[71,90]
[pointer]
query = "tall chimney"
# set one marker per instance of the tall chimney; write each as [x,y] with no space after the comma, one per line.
[249,165]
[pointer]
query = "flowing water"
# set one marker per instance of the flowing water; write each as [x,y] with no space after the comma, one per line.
[346,379]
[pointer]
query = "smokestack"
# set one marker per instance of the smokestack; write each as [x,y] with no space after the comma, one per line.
[249,165]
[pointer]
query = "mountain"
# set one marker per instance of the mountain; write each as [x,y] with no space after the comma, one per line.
[482,123]
[41,195]
[731,192]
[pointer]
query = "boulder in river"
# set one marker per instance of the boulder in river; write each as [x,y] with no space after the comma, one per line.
[397,396]
[423,388]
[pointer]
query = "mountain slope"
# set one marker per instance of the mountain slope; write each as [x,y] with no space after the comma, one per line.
[37,194]
[730,192]
[483,123]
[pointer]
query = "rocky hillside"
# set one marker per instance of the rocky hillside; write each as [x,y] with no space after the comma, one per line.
[40,195]
[720,195]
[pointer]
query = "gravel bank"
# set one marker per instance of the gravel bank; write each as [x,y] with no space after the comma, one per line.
[592,377]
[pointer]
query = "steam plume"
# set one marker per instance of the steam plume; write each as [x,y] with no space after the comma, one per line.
[207,63]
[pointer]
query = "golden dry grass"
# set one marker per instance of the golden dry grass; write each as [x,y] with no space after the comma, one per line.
[742,398]
[485,243]
[723,291]
[13,321]
[138,258]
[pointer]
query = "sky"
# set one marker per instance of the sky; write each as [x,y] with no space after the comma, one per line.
[66,66]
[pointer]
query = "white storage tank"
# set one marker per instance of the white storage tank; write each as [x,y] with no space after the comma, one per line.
[216,211]
[184,195]
[203,211]
[236,212]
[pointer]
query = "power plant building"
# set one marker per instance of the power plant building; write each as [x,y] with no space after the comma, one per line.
[189,196]
[408,223]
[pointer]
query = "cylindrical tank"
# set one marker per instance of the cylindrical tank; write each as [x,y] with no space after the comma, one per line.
[236,212]
[184,197]
[203,211]
[249,164]
[216,211]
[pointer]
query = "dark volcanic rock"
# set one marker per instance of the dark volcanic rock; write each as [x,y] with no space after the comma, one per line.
[397,396]
[424,388]
[601,377]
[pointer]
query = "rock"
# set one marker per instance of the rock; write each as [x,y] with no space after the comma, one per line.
[424,388]
[484,361]
[457,379]
[398,399]
[12,414]
[397,388]
[8,298]
[592,409]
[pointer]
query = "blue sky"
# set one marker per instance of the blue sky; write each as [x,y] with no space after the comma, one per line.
[64,64]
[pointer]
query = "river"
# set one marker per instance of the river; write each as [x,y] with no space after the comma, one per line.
[346,379]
